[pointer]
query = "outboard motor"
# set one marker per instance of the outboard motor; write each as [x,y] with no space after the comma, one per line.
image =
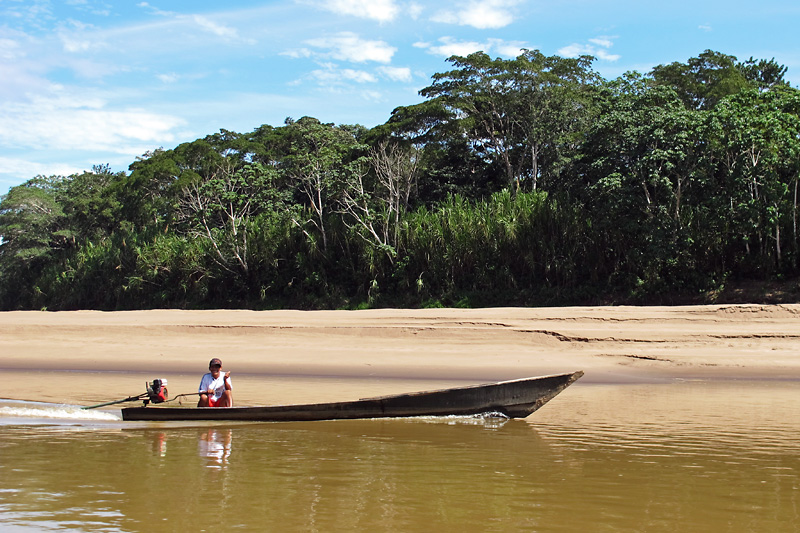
[157,391]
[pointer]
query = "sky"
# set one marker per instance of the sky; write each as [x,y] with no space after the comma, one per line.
[93,82]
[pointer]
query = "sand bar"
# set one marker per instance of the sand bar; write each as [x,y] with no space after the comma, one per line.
[610,344]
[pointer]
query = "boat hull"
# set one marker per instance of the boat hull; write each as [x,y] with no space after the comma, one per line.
[514,399]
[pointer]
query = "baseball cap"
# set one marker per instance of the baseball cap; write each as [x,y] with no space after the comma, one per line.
[215,361]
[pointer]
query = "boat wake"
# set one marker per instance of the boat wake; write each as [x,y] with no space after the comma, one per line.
[32,411]
[490,420]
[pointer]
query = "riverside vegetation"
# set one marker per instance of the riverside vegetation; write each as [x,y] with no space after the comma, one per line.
[527,181]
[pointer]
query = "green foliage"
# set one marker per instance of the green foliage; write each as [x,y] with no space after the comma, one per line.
[704,80]
[521,113]
[764,74]
[30,218]
[522,243]
[527,181]
[755,144]
[90,202]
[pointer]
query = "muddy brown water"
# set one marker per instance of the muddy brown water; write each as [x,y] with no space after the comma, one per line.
[682,456]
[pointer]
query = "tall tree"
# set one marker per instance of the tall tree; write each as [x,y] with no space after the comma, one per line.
[764,74]
[521,112]
[754,140]
[639,169]
[447,164]
[158,179]
[32,233]
[320,159]
[30,220]
[704,80]
[376,207]
[219,208]
[91,203]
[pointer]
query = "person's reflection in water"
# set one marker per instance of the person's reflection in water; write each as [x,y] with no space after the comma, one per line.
[160,443]
[215,445]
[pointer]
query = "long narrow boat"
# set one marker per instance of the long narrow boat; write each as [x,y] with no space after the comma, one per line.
[514,399]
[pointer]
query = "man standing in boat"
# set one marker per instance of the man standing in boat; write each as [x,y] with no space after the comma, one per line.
[215,388]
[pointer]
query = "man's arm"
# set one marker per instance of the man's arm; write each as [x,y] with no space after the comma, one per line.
[228,390]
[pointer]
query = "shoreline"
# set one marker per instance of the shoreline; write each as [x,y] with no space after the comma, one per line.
[610,344]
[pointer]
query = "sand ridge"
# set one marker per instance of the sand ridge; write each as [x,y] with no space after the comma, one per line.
[723,341]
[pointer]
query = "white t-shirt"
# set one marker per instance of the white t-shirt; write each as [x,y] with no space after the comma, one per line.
[208,382]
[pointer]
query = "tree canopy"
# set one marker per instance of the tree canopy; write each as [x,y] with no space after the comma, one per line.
[530,180]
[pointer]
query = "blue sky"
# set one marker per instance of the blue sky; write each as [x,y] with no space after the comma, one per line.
[85,82]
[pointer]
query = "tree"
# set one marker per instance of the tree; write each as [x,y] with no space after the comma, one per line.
[377,210]
[754,140]
[30,219]
[219,208]
[640,169]
[521,112]
[704,80]
[32,233]
[764,74]
[446,164]
[159,178]
[320,159]
[90,202]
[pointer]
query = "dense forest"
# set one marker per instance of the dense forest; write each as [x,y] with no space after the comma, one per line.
[529,181]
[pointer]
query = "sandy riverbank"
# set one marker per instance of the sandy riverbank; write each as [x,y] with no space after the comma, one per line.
[53,352]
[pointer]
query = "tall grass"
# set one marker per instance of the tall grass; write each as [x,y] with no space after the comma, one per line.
[508,249]
[524,242]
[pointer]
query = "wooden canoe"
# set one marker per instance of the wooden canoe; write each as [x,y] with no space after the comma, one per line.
[514,399]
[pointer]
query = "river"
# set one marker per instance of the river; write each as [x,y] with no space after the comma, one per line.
[682,456]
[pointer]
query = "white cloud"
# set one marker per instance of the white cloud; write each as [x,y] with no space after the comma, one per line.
[10,49]
[217,29]
[597,47]
[396,73]
[374,96]
[605,56]
[66,122]
[191,22]
[605,42]
[358,76]
[169,78]
[77,37]
[332,75]
[509,49]
[380,10]
[23,169]
[448,46]
[156,11]
[62,136]
[18,79]
[297,53]
[37,14]
[705,27]
[84,5]
[73,45]
[481,14]
[575,49]
[348,46]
